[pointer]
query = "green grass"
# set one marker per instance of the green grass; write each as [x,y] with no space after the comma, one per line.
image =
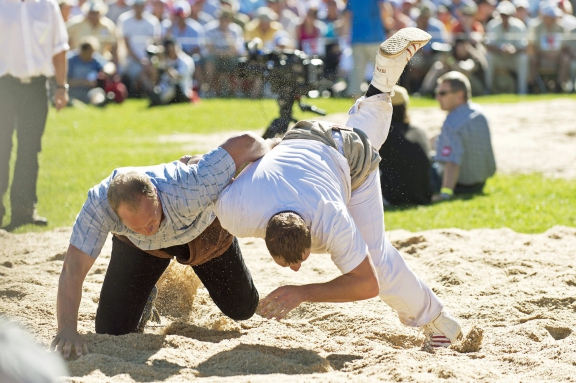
[81,146]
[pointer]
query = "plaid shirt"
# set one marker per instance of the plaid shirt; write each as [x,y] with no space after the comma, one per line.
[465,141]
[187,194]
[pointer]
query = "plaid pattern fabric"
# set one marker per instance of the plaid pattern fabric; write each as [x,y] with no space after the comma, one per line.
[465,141]
[187,194]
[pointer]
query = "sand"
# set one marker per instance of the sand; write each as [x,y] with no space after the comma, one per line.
[514,293]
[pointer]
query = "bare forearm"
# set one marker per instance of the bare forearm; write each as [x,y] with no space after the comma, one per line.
[450,177]
[60,67]
[345,288]
[247,147]
[68,301]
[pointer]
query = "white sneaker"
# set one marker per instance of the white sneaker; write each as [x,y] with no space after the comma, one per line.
[442,331]
[394,54]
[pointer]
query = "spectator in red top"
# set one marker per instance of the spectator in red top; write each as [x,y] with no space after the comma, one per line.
[309,34]
[467,25]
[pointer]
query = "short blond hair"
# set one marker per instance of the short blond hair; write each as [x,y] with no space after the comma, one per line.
[129,188]
[287,237]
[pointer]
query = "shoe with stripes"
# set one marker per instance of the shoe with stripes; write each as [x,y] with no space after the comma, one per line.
[394,54]
[441,332]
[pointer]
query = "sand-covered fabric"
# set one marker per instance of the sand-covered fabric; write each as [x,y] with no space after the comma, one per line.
[514,292]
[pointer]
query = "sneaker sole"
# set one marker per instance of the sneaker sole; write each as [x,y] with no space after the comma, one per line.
[401,40]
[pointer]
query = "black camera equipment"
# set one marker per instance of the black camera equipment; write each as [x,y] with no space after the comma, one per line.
[291,74]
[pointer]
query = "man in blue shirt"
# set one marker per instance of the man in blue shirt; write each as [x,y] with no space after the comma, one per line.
[156,213]
[364,20]
[84,67]
[464,157]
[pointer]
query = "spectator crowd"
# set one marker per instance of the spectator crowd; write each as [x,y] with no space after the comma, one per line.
[119,46]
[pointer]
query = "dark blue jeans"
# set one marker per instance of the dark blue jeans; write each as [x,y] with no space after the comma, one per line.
[132,274]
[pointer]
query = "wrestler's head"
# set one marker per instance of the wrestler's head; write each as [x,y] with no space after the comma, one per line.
[288,239]
[135,201]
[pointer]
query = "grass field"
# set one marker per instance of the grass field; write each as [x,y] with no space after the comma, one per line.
[83,145]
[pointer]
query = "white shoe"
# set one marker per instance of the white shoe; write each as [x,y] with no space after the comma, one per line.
[442,331]
[394,54]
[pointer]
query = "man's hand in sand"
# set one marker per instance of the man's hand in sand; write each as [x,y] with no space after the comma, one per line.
[65,340]
[281,301]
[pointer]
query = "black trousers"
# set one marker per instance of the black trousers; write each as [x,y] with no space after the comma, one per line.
[23,107]
[132,274]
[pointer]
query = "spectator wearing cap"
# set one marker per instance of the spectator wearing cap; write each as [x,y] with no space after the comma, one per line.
[94,23]
[190,35]
[467,25]
[197,14]
[364,21]
[225,44]
[506,42]
[186,31]
[116,8]
[286,17]
[568,19]
[429,53]
[405,165]
[445,16]
[65,8]
[548,49]
[334,24]
[523,12]
[309,34]
[159,9]
[137,28]
[239,19]
[464,58]
[264,26]
[485,10]
[398,20]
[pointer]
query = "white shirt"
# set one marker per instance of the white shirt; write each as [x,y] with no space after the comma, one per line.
[32,32]
[140,33]
[304,176]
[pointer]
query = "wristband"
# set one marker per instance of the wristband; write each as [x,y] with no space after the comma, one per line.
[447,191]
[63,86]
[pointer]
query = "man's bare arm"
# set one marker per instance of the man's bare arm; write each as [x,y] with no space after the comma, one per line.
[248,147]
[76,266]
[360,283]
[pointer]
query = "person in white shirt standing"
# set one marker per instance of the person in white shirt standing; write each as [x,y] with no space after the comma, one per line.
[34,42]
[319,191]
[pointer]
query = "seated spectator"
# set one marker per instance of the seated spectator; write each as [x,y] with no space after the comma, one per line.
[467,25]
[286,17]
[423,60]
[239,19]
[568,19]
[93,23]
[159,9]
[116,8]
[191,37]
[445,16]
[84,68]
[264,26]
[197,14]
[334,28]
[398,20]
[522,12]
[225,44]
[547,48]
[65,8]
[309,34]
[405,166]
[464,58]
[485,10]
[464,158]
[169,79]
[138,29]
[506,42]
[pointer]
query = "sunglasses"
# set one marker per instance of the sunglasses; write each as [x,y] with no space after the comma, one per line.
[443,93]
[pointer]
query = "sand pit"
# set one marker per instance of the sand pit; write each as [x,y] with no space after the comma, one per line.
[516,292]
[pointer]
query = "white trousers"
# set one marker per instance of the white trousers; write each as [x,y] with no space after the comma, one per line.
[400,288]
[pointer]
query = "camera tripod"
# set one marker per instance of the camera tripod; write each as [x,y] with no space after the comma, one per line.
[279,125]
